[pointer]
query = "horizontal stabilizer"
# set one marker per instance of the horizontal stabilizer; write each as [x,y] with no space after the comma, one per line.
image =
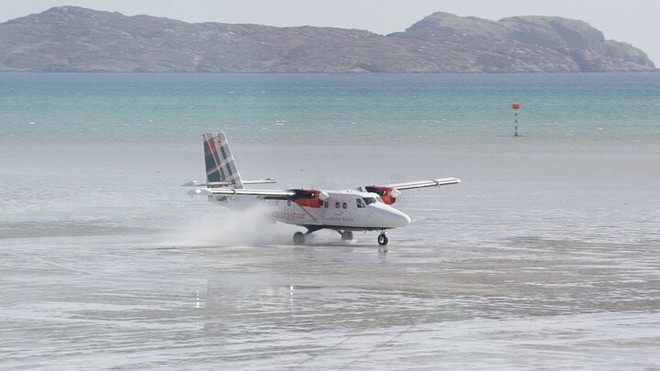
[194,183]
[260,181]
[191,183]
[242,192]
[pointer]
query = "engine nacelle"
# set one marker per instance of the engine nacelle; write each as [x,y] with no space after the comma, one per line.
[309,197]
[387,194]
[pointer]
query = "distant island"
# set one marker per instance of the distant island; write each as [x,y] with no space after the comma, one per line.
[74,39]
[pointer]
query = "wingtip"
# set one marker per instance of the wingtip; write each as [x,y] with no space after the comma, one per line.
[199,191]
[445,181]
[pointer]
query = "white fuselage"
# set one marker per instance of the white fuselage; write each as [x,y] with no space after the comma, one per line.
[340,210]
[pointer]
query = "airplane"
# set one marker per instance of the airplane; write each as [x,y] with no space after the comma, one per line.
[367,208]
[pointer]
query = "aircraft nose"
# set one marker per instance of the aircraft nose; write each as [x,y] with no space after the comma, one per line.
[385,216]
[398,219]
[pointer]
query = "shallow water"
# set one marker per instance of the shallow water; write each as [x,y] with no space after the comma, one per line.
[515,303]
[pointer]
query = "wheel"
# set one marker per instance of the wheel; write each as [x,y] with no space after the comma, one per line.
[382,239]
[346,235]
[299,238]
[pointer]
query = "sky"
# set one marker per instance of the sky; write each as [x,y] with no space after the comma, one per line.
[632,21]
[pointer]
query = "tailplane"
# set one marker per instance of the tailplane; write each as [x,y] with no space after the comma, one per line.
[220,165]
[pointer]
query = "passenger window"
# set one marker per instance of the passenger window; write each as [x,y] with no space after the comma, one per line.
[337,205]
[325,204]
[345,205]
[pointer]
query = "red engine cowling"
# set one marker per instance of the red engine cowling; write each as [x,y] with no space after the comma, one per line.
[307,197]
[387,194]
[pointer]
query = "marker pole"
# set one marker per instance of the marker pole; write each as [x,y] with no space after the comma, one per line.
[516,107]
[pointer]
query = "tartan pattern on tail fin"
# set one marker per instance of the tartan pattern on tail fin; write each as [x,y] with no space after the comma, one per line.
[220,166]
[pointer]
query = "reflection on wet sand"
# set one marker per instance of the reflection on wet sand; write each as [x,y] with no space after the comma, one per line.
[523,302]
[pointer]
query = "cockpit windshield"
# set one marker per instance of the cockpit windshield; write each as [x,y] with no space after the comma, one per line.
[363,202]
[369,200]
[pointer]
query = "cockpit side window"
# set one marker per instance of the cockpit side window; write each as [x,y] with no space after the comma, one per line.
[360,203]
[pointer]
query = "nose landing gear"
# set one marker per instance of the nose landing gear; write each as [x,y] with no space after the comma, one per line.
[382,241]
[382,238]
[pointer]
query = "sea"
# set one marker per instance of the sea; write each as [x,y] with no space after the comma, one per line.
[545,257]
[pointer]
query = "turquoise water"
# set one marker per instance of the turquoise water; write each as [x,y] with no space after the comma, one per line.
[321,108]
[544,257]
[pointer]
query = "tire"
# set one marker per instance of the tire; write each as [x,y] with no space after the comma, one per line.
[299,238]
[382,239]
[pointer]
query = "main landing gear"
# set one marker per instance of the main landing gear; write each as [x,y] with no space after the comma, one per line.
[299,238]
[346,235]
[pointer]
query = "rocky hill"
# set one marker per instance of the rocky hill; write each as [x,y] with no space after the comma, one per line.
[79,39]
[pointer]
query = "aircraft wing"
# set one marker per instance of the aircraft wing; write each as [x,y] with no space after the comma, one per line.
[390,192]
[242,192]
[423,183]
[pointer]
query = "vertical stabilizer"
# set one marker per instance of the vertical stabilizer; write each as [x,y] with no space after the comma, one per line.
[220,166]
